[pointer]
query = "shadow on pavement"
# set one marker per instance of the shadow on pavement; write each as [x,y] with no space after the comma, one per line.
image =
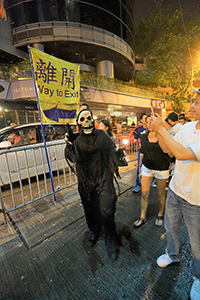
[57,264]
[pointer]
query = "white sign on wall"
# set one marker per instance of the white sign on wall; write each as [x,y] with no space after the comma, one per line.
[22,89]
[89,94]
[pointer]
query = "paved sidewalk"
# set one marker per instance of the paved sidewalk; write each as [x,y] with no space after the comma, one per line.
[47,257]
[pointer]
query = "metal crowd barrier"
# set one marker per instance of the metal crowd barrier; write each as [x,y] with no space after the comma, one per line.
[128,143]
[24,174]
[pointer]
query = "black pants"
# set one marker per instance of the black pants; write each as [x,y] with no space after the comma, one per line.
[99,205]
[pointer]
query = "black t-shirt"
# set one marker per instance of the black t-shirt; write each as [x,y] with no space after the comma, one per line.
[154,158]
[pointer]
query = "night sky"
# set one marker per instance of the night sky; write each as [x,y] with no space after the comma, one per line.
[142,8]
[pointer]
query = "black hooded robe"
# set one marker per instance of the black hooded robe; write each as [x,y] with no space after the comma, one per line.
[96,159]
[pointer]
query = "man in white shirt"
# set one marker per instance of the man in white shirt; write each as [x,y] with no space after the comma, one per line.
[183,199]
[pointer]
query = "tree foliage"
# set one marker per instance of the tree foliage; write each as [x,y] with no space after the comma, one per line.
[165,43]
[13,71]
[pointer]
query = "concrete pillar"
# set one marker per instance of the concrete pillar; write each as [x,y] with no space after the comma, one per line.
[84,67]
[105,68]
[39,46]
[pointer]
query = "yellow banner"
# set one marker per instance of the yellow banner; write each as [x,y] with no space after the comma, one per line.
[58,87]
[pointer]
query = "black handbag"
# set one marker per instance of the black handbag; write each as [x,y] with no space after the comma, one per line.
[121,157]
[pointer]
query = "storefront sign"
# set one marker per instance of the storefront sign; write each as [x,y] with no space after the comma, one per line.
[107,97]
[23,88]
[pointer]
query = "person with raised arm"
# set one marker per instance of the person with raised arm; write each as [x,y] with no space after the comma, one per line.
[183,199]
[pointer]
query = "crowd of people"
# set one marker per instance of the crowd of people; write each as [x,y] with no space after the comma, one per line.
[170,150]
[162,145]
[183,201]
[168,153]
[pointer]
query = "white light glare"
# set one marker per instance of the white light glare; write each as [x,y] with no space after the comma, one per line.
[125,142]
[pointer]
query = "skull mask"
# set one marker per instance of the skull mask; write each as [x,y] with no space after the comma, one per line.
[85,121]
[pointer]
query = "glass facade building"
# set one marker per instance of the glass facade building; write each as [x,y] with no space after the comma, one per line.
[97,35]
[86,32]
[115,16]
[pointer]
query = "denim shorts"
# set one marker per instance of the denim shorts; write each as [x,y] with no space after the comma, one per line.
[154,173]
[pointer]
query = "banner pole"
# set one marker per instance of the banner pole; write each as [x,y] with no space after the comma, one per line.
[44,140]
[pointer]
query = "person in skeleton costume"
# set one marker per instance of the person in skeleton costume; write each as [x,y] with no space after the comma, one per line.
[96,158]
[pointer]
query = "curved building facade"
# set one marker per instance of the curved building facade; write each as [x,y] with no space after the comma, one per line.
[98,35]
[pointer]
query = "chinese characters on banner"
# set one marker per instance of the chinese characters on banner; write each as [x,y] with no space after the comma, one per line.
[58,87]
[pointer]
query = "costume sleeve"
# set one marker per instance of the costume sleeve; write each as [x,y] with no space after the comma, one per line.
[70,153]
[117,156]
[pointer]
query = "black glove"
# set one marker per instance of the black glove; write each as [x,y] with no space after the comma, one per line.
[70,136]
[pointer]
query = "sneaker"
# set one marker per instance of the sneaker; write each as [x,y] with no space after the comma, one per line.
[154,183]
[195,290]
[136,189]
[164,261]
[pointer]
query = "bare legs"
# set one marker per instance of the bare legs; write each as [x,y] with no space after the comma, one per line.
[146,185]
[145,189]
[161,183]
